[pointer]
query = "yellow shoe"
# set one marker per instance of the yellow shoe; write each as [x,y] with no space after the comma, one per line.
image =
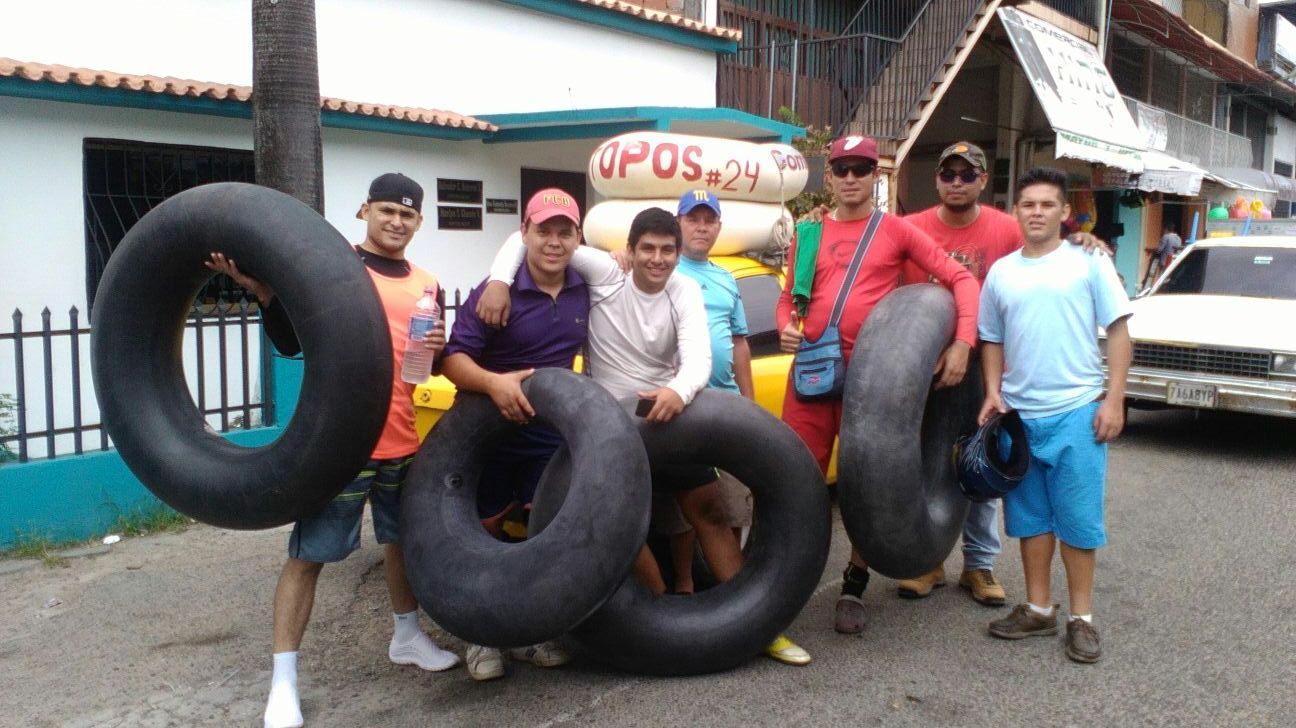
[787,652]
[921,586]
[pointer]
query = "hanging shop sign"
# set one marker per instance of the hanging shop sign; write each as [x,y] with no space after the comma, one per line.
[1077,93]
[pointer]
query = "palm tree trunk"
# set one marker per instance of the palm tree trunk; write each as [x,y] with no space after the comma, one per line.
[286,100]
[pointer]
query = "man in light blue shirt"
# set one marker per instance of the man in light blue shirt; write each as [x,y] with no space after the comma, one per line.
[1041,308]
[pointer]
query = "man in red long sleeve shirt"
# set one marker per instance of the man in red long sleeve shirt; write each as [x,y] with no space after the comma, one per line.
[853,161]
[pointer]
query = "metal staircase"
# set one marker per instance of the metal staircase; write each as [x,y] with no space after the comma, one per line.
[931,52]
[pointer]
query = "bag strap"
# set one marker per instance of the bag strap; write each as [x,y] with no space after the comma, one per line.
[856,262]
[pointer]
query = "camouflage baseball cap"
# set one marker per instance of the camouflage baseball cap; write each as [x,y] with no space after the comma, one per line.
[967,151]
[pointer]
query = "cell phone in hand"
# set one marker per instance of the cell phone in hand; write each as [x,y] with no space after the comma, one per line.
[644,407]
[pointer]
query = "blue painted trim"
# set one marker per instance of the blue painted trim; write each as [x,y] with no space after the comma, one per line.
[546,125]
[124,98]
[618,20]
[569,131]
[76,497]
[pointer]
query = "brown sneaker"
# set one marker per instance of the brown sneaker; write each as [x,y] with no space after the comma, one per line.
[1082,644]
[1023,622]
[920,587]
[849,616]
[984,587]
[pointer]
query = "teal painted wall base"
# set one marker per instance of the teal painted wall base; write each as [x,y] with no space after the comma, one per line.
[76,497]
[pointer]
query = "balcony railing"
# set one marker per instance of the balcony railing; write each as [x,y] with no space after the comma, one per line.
[820,73]
[1086,11]
[1192,141]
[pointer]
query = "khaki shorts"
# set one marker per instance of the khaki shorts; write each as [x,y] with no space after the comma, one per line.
[735,499]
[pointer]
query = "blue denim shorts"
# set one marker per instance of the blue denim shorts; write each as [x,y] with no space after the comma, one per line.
[333,533]
[1064,489]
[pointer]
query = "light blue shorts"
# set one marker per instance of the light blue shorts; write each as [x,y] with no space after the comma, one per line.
[1062,492]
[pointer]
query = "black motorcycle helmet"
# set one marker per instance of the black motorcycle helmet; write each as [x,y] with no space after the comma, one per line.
[983,472]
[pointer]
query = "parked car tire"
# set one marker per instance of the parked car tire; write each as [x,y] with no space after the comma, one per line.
[139,317]
[716,629]
[516,594]
[898,487]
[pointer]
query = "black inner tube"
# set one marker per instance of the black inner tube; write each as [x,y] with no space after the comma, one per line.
[898,486]
[516,594]
[140,311]
[725,625]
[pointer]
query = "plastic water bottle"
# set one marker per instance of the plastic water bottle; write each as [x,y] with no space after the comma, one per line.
[418,358]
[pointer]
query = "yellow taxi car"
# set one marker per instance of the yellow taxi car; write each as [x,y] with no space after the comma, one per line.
[759,285]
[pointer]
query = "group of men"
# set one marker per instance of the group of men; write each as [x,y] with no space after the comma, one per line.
[659,322]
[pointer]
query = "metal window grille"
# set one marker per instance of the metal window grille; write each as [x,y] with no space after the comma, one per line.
[123,180]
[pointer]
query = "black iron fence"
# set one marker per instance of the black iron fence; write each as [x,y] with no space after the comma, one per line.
[55,413]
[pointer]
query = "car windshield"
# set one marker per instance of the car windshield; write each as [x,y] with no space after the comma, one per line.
[1250,272]
[759,296]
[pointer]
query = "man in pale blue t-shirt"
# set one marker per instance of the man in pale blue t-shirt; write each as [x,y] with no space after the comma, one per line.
[1041,308]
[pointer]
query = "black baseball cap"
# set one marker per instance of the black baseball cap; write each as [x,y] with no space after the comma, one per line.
[396,187]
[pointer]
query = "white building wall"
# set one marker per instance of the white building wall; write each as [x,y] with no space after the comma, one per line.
[1284,141]
[468,56]
[42,220]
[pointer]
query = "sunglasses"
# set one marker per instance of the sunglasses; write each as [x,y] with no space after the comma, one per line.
[859,169]
[968,176]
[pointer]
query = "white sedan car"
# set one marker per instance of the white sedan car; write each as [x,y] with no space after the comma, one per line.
[1218,330]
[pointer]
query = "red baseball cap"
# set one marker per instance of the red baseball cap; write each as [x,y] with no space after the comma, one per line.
[853,146]
[551,202]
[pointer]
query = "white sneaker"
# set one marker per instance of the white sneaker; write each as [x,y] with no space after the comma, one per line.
[283,710]
[484,663]
[545,654]
[423,652]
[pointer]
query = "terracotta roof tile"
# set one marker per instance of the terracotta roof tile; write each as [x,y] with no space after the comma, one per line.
[223,92]
[667,18]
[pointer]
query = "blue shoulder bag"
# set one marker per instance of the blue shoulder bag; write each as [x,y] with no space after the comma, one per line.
[818,368]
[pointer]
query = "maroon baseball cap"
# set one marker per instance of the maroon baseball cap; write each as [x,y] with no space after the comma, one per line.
[551,202]
[853,146]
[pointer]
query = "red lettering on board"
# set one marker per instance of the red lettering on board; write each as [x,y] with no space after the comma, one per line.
[629,157]
[607,159]
[692,169]
[659,167]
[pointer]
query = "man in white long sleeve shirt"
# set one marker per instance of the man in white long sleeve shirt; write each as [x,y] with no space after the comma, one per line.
[648,337]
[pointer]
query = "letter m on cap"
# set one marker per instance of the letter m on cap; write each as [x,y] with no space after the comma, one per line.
[699,194]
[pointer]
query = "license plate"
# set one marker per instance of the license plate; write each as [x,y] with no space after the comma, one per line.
[1191,395]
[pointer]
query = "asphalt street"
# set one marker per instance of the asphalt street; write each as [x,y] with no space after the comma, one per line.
[1196,601]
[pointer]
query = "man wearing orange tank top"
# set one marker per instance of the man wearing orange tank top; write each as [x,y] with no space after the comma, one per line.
[393,214]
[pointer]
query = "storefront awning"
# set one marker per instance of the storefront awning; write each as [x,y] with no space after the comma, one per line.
[1244,178]
[1076,92]
[1164,173]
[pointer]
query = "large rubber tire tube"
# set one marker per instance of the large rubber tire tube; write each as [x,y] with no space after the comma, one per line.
[139,316]
[640,632]
[897,484]
[515,594]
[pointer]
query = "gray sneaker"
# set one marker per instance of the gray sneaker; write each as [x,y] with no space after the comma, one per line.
[1082,644]
[1022,621]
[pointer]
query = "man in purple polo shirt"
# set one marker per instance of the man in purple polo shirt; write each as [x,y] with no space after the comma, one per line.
[548,325]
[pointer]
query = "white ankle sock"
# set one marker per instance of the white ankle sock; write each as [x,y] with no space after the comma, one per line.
[1086,617]
[285,669]
[1041,611]
[407,626]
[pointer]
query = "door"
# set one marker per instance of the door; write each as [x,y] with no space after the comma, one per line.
[534,180]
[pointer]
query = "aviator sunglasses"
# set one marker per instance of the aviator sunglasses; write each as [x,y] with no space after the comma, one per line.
[859,169]
[968,176]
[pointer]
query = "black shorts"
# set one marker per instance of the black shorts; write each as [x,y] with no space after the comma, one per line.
[675,478]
